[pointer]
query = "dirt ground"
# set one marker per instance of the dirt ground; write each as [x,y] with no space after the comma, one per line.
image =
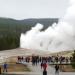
[67,68]
[16,68]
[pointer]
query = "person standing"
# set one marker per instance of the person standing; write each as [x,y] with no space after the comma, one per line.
[5,67]
[41,65]
[45,68]
[57,69]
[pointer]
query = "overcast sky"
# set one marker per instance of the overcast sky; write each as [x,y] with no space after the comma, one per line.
[23,9]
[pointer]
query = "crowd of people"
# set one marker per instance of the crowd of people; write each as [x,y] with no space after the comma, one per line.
[44,61]
[50,59]
[23,59]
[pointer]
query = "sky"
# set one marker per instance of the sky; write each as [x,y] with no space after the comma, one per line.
[24,9]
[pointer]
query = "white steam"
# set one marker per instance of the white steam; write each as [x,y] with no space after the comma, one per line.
[58,37]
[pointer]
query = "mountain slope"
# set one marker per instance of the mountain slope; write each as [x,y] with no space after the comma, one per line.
[18,26]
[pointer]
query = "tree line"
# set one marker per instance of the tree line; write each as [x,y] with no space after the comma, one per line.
[9,42]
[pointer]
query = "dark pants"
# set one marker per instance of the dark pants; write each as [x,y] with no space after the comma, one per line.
[5,70]
[44,72]
[0,70]
[57,72]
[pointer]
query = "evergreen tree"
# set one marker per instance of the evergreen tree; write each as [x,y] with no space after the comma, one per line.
[73,59]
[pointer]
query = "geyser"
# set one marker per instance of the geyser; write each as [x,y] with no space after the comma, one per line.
[58,37]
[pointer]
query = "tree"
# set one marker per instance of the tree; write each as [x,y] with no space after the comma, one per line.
[9,41]
[73,59]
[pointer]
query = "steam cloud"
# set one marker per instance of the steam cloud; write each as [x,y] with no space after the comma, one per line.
[58,37]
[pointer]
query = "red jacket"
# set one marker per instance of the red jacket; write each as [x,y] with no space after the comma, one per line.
[44,66]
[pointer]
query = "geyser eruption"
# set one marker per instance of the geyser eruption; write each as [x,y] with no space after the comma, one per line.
[58,37]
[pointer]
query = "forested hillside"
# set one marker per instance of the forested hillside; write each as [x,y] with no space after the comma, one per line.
[11,29]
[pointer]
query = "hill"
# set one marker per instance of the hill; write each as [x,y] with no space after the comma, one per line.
[18,26]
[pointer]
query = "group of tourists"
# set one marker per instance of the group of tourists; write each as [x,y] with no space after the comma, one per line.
[44,61]
[23,59]
[50,59]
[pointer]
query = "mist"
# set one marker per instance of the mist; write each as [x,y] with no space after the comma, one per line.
[58,37]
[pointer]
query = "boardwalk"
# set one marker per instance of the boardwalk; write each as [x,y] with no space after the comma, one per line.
[36,70]
[50,70]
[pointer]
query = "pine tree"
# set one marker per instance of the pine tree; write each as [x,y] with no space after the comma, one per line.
[73,59]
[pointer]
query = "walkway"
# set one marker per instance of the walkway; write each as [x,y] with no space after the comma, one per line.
[36,70]
[50,70]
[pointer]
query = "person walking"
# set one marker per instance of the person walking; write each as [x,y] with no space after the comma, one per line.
[57,69]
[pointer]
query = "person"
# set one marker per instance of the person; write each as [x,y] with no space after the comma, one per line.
[41,65]
[0,70]
[56,69]
[5,67]
[45,68]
